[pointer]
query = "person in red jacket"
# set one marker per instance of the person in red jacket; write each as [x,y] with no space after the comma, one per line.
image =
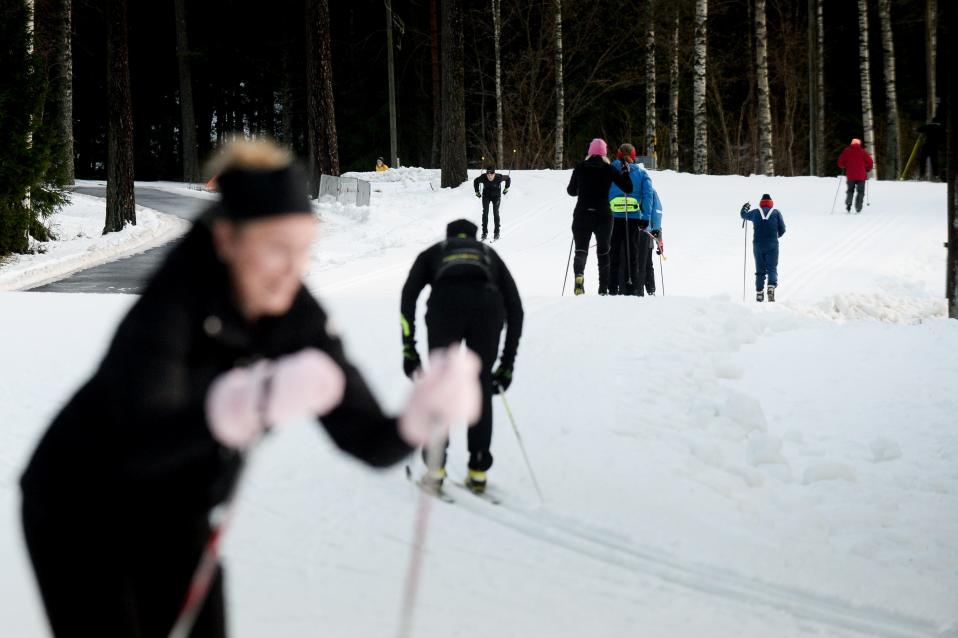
[856,162]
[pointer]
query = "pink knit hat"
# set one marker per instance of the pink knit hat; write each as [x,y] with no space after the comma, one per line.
[598,147]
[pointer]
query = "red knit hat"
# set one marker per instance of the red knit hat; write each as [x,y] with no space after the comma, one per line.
[766,201]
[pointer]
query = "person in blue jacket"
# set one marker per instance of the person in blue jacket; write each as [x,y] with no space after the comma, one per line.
[768,226]
[656,235]
[631,215]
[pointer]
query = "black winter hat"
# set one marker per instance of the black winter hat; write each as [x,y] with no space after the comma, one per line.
[461,227]
[247,194]
[490,169]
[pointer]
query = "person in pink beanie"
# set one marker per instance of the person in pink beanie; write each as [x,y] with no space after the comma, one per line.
[224,345]
[590,183]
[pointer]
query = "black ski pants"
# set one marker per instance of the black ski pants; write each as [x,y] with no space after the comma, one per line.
[853,186]
[637,260]
[586,223]
[486,199]
[104,576]
[475,314]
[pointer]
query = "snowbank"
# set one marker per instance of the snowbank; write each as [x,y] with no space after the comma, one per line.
[401,174]
[80,244]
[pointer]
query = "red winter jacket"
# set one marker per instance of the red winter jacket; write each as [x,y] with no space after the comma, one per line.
[856,161]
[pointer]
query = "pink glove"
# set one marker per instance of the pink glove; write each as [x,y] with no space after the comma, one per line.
[305,384]
[233,405]
[446,394]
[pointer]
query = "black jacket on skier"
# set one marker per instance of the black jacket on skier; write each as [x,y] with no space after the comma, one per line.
[117,495]
[472,293]
[492,191]
[590,182]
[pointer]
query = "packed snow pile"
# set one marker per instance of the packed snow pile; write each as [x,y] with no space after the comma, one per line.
[79,243]
[710,468]
[401,174]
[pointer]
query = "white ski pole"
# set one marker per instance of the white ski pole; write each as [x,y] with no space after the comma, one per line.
[837,189]
[567,264]
[522,447]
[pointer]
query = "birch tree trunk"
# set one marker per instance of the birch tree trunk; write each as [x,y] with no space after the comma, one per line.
[674,98]
[191,168]
[560,92]
[699,110]
[120,200]
[53,44]
[766,157]
[496,30]
[453,96]
[892,146]
[868,123]
[650,119]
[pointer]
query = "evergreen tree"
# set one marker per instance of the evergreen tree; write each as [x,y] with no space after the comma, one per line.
[31,184]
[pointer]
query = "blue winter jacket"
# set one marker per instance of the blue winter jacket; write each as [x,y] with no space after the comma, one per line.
[768,225]
[641,194]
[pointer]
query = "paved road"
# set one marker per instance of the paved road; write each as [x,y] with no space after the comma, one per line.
[130,274]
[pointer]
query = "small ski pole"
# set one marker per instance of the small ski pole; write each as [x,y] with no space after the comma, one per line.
[868,201]
[199,586]
[837,189]
[522,447]
[628,256]
[567,263]
[744,257]
[434,450]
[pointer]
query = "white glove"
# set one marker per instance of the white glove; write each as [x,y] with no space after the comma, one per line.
[448,393]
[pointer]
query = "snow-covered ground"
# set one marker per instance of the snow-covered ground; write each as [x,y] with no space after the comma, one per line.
[710,468]
[80,244]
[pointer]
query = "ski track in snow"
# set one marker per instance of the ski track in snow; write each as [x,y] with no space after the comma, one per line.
[705,470]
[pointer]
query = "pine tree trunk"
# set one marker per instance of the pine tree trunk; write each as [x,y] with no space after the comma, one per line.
[191,165]
[390,64]
[766,157]
[120,200]
[53,38]
[868,123]
[558,161]
[931,57]
[700,112]
[435,48]
[820,88]
[674,98]
[320,105]
[892,147]
[453,96]
[650,119]
[496,31]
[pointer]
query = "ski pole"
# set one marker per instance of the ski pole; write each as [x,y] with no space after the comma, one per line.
[837,189]
[567,263]
[522,447]
[744,257]
[661,274]
[868,201]
[202,580]
[434,450]
[628,257]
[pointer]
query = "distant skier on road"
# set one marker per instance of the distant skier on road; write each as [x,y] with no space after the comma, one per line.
[631,212]
[857,163]
[492,191]
[472,292]
[768,226]
[590,182]
[225,343]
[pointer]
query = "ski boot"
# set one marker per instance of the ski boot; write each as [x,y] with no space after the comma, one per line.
[485,234]
[432,480]
[603,291]
[495,235]
[579,285]
[476,481]
[759,295]
[771,292]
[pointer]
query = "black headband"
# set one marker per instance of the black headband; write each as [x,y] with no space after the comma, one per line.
[253,194]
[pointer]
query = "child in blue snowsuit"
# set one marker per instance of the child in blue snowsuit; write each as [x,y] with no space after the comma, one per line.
[635,212]
[768,225]
[656,234]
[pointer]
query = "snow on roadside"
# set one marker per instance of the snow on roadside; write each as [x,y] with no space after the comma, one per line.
[80,244]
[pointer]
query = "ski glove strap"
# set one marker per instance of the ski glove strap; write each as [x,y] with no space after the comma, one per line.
[501,379]
[410,358]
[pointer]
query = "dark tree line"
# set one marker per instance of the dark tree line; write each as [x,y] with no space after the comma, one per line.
[313,75]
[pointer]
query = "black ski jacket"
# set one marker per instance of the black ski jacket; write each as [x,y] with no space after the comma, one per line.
[590,182]
[135,435]
[426,269]
[492,187]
